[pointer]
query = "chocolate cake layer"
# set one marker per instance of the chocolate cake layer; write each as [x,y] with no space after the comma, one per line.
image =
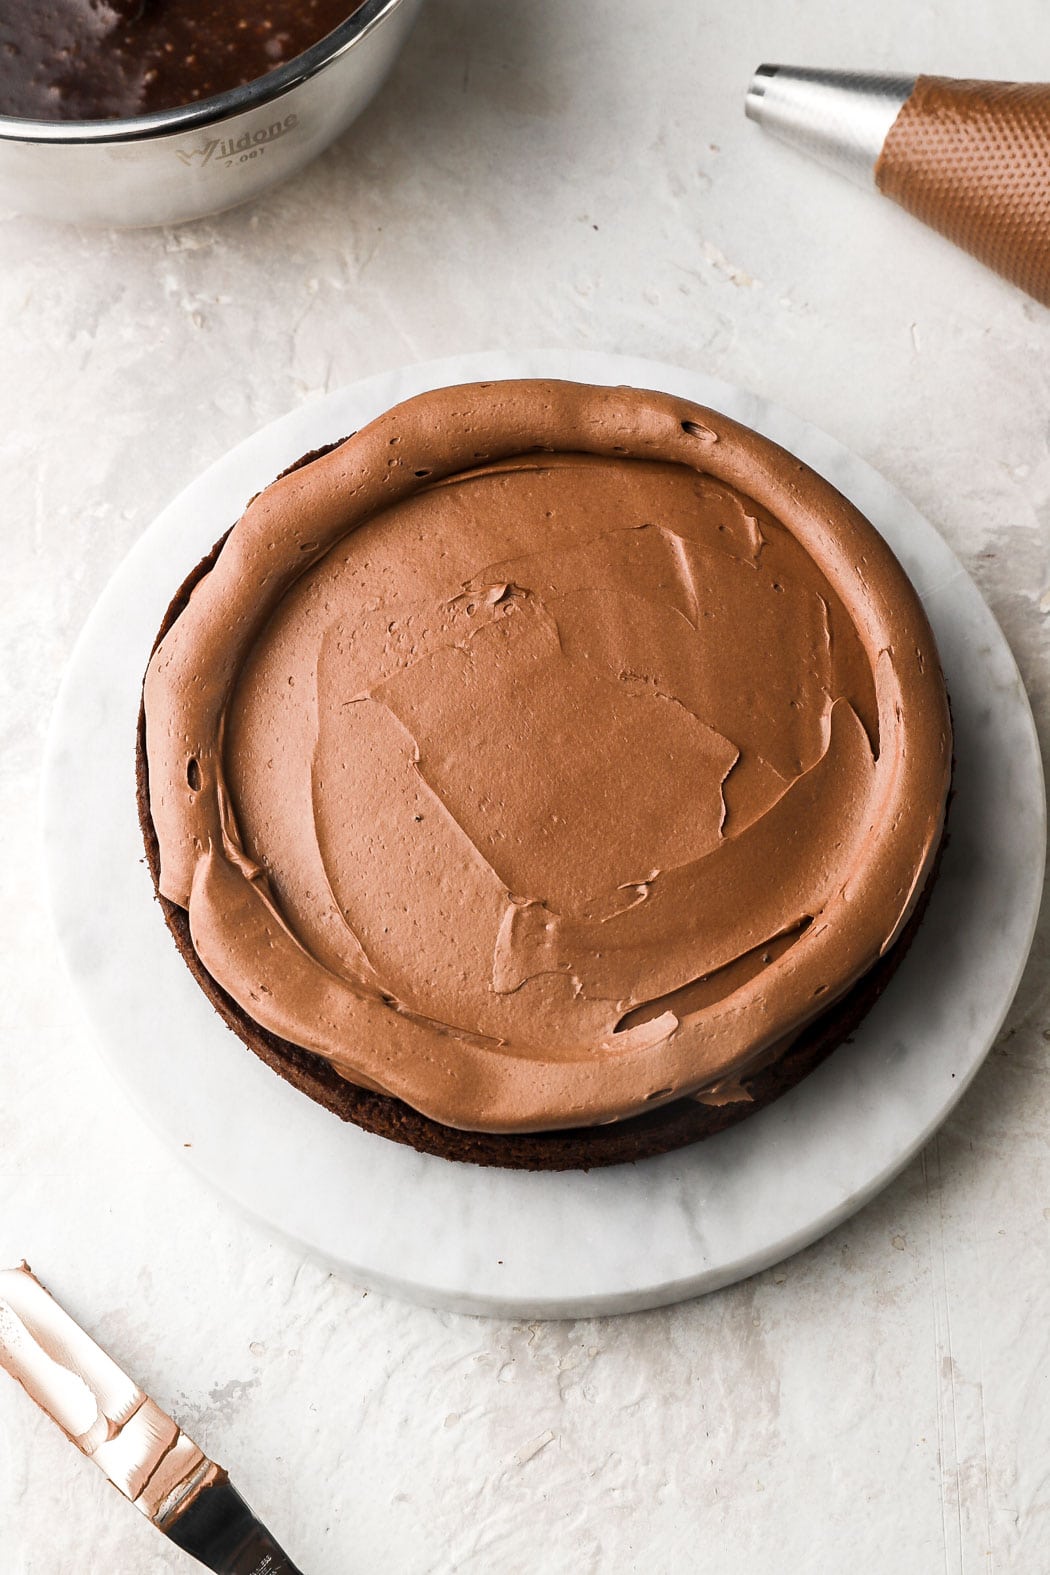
[542,756]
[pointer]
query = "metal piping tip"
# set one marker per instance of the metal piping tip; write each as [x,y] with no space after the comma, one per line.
[840,118]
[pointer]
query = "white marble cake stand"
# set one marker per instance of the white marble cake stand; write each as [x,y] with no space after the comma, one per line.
[504,1242]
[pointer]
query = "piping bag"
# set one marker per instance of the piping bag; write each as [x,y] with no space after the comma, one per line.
[969,158]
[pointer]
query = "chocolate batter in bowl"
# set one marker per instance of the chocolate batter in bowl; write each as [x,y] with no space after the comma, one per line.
[138,112]
[107,59]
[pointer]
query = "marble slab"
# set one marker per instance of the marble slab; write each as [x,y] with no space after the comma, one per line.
[505,1242]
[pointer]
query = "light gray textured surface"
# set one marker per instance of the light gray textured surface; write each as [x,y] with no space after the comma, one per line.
[579,175]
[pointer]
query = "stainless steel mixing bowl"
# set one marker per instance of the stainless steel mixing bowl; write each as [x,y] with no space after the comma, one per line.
[183,163]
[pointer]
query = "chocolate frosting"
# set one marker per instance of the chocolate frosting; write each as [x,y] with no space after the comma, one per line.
[101,59]
[544,752]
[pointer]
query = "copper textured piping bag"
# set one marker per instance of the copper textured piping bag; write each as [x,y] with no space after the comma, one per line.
[142,1451]
[969,158]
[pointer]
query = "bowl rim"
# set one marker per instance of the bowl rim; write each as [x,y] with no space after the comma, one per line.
[207,111]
